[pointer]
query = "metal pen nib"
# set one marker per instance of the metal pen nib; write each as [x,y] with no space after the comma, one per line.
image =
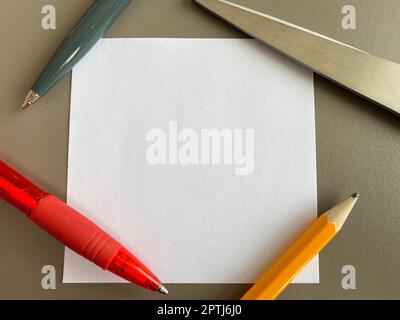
[162,289]
[30,99]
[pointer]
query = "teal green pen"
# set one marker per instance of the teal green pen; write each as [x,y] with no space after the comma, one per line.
[91,27]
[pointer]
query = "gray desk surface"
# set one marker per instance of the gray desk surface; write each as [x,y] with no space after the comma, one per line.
[358,144]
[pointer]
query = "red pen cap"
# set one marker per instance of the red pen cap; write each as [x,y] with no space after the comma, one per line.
[19,191]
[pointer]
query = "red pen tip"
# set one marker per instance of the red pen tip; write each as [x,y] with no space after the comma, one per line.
[128,267]
[162,289]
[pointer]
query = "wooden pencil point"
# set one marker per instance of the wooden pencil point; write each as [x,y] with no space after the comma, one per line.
[339,214]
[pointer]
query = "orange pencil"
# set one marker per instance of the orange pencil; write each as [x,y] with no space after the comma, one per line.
[296,257]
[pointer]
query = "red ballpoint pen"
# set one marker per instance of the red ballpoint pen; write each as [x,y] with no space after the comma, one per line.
[74,230]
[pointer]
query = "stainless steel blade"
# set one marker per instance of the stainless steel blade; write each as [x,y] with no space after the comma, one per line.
[372,77]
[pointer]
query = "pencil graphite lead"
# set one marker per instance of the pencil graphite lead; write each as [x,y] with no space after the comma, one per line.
[162,289]
[30,99]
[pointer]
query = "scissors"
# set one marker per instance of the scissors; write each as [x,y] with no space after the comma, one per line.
[371,77]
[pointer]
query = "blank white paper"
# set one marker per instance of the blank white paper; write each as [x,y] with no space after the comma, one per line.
[188,220]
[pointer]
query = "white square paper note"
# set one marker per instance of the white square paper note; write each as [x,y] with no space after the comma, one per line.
[198,155]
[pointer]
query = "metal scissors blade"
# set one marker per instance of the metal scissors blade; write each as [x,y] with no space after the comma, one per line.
[372,77]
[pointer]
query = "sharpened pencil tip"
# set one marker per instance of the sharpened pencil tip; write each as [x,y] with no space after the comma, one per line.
[162,289]
[339,214]
[30,99]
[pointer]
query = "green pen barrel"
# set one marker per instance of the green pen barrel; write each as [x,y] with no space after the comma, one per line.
[86,33]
